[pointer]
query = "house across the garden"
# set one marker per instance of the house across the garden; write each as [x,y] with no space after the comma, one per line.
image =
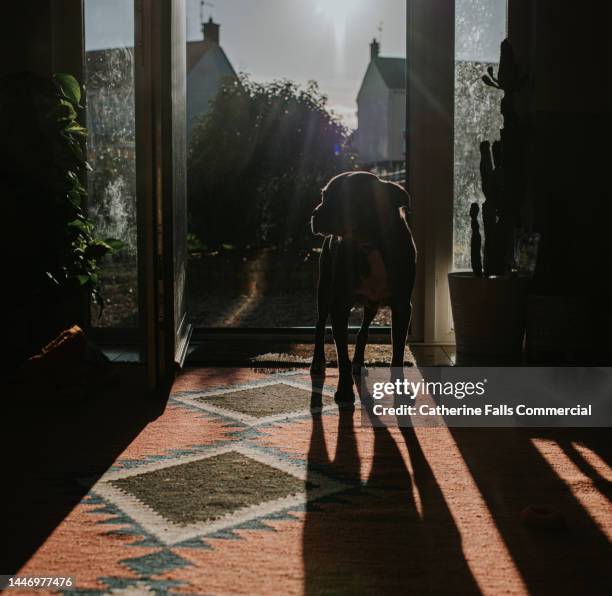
[381,110]
[207,68]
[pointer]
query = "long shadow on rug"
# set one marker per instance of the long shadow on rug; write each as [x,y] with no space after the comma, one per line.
[376,538]
[518,469]
[50,446]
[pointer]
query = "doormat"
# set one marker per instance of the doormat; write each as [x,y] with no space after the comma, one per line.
[266,352]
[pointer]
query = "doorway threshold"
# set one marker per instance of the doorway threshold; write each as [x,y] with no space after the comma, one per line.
[292,347]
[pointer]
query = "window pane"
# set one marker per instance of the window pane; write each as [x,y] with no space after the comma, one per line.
[480,27]
[109,82]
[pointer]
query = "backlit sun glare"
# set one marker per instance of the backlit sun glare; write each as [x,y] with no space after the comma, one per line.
[337,13]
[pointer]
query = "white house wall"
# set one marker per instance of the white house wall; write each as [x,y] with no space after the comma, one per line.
[397,125]
[203,81]
[373,104]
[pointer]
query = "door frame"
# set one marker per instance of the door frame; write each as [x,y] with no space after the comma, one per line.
[163,335]
[430,107]
[160,164]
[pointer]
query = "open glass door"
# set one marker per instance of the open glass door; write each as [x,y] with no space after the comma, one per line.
[175,191]
[160,133]
[135,94]
[111,151]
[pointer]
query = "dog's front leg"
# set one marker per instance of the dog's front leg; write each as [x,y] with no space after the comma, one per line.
[339,320]
[323,297]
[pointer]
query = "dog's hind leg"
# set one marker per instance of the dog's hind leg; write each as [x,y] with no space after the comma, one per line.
[317,366]
[400,321]
[362,338]
[323,297]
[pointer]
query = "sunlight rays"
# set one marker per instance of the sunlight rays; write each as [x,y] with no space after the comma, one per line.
[594,502]
[470,511]
[338,14]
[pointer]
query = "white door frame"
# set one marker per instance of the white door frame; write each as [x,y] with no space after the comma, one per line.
[430,160]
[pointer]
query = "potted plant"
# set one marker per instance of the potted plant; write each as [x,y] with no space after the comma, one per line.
[52,266]
[489,304]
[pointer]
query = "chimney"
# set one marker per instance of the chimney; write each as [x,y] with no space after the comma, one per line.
[211,31]
[374,49]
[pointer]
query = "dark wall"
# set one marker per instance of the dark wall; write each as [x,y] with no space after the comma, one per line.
[564,49]
[572,54]
[43,36]
[25,36]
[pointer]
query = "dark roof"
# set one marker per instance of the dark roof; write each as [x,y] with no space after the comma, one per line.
[393,71]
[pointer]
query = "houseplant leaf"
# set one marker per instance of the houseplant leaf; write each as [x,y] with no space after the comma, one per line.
[114,243]
[70,87]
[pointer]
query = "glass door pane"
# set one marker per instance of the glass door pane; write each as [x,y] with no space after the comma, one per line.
[109,84]
[272,114]
[480,27]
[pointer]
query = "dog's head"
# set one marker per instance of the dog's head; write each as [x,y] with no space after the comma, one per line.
[357,204]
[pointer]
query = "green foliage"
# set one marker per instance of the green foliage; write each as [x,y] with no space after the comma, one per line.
[41,164]
[257,162]
[194,244]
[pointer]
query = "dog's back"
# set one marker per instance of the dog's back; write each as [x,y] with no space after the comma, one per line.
[378,256]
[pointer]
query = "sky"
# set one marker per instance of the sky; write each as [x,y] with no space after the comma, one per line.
[322,40]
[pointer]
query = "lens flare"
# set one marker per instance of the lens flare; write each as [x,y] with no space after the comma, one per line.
[338,13]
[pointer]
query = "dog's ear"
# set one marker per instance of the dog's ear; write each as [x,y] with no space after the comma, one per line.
[379,208]
[398,195]
[388,197]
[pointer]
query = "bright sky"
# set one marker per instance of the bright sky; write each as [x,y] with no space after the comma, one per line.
[324,40]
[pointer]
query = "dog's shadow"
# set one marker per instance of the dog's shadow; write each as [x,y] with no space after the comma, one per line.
[371,537]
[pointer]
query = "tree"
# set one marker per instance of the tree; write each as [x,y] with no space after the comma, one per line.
[257,162]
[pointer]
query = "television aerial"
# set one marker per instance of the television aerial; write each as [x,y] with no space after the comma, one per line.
[379,28]
[203,3]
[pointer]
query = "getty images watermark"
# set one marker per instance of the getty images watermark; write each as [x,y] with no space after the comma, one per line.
[487,396]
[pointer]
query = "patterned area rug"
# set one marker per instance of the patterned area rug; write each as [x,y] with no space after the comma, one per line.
[254,482]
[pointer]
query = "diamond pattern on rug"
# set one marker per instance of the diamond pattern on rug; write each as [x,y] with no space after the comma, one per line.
[158,562]
[212,493]
[263,401]
[207,489]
